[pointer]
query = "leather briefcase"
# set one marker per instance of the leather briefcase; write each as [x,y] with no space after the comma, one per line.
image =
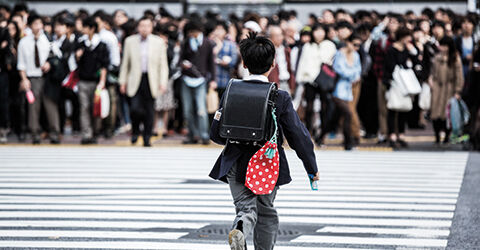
[247,111]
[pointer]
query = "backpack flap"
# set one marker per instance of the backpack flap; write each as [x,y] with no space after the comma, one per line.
[246,110]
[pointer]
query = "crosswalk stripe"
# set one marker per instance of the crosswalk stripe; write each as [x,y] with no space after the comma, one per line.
[221,217]
[227,210]
[140,245]
[100,224]
[92,234]
[371,241]
[375,230]
[278,204]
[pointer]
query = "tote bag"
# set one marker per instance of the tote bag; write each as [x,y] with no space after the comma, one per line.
[397,100]
[425,97]
[407,80]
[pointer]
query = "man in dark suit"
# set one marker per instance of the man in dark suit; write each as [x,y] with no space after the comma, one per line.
[256,212]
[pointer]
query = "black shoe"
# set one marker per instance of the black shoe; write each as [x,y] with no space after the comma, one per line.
[147,144]
[88,141]
[134,139]
[402,143]
[54,141]
[205,141]
[36,139]
[190,141]
[154,134]
[370,136]
[348,147]
[393,144]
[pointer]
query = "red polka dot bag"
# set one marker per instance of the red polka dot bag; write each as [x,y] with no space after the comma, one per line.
[263,167]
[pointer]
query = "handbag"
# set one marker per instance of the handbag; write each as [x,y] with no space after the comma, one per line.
[326,79]
[212,101]
[397,100]
[407,80]
[101,104]
[425,97]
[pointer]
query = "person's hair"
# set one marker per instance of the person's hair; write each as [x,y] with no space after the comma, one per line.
[5,7]
[452,50]
[257,52]
[223,24]
[428,12]
[32,18]
[17,32]
[90,22]
[352,37]
[19,7]
[438,23]
[60,20]
[401,33]
[193,25]
[316,27]
[143,18]
[104,17]
[344,24]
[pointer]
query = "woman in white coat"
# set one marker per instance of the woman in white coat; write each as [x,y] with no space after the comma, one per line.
[319,50]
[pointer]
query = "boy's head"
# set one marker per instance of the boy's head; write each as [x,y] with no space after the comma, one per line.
[258,53]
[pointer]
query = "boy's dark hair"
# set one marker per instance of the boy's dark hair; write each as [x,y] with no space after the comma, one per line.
[32,18]
[90,22]
[257,52]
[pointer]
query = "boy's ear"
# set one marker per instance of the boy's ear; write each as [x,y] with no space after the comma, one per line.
[273,64]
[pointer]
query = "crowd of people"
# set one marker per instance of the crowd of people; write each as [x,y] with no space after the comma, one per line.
[165,74]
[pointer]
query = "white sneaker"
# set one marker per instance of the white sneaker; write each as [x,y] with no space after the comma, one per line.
[236,239]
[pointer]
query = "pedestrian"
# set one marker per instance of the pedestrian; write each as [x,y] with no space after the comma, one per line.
[256,213]
[446,81]
[33,52]
[143,76]
[348,66]
[198,74]
[318,51]
[92,60]
[399,54]
[282,73]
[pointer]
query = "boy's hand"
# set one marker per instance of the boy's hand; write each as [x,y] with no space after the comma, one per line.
[317,176]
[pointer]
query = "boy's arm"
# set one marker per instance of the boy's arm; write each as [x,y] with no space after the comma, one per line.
[298,137]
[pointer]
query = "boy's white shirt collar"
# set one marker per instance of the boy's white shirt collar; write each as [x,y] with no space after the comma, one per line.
[256,77]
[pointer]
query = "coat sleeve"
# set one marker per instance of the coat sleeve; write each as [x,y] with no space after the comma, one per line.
[215,127]
[124,67]
[297,136]
[458,76]
[163,65]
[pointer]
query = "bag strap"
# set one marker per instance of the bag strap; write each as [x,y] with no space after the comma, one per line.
[270,152]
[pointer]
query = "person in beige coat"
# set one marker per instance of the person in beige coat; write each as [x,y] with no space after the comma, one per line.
[446,81]
[143,76]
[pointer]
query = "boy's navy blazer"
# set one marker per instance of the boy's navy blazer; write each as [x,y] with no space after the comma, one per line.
[289,125]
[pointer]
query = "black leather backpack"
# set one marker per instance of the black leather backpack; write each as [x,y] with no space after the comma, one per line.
[247,111]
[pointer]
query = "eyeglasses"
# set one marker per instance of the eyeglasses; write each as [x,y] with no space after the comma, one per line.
[357,45]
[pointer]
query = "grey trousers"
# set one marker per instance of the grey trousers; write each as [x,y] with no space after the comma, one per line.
[256,213]
[51,109]
[88,123]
